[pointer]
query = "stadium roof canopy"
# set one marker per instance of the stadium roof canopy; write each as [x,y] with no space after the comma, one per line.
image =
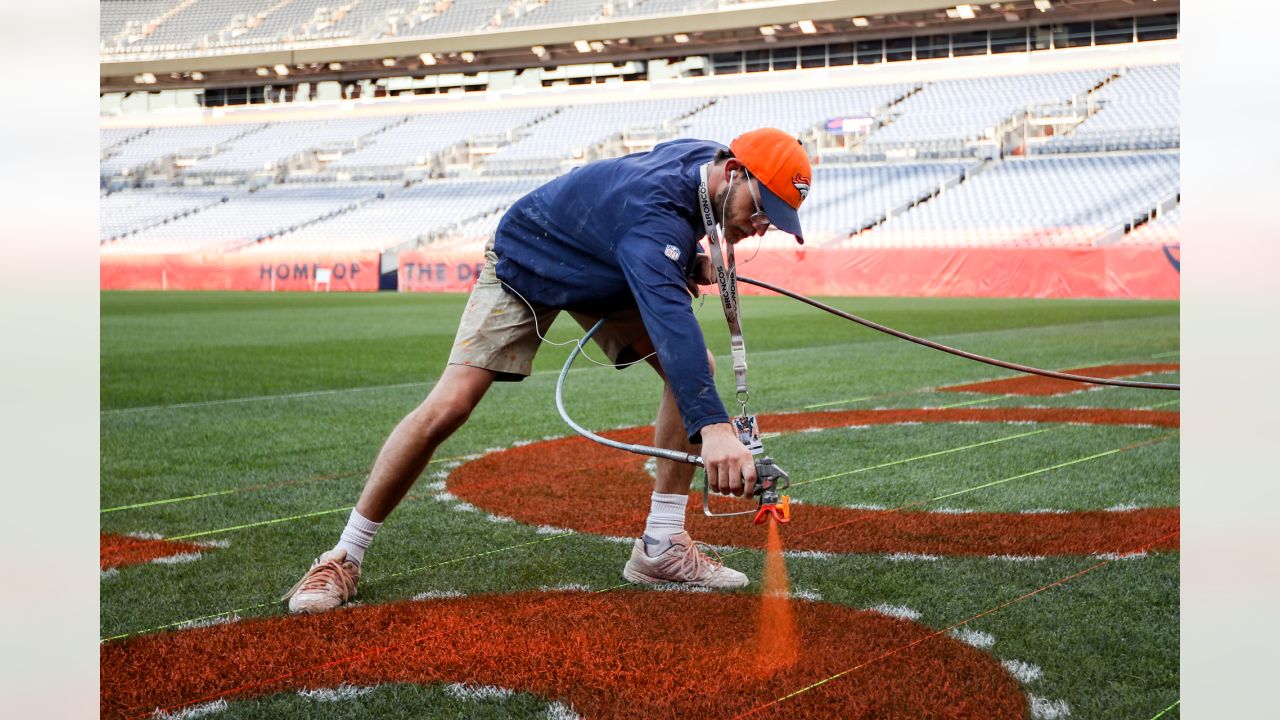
[733,27]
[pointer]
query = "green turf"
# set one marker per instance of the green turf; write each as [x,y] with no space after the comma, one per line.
[279,402]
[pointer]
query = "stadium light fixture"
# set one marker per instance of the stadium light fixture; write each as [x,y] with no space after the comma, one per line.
[467,56]
[427,58]
[680,38]
[145,79]
[538,50]
[582,45]
[197,75]
[806,27]
[281,69]
[335,66]
[860,22]
[767,30]
[597,46]
[388,62]
[965,11]
[263,72]
[1044,5]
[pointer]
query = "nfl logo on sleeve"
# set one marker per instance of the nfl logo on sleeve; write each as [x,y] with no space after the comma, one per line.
[672,252]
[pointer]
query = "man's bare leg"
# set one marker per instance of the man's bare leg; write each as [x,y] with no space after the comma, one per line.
[673,478]
[409,447]
[670,499]
[663,552]
[332,580]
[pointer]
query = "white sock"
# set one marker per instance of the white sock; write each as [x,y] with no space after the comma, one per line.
[357,536]
[666,518]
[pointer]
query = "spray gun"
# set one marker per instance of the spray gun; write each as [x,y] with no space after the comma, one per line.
[770,478]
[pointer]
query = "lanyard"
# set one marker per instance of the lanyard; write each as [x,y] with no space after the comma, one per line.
[727,278]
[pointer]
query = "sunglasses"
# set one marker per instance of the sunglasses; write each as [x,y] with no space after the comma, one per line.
[759,220]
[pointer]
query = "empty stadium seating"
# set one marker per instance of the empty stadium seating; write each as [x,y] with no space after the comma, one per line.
[848,199]
[407,214]
[794,111]
[636,8]
[151,26]
[1036,201]
[951,112]
[245,219]
[557,12]
[574,130]
[1060,198]
[118,20]
[1138,111]
[262,150]
[124,213]
[162,142]
[405,18]
[423,136]
[1161,230]
[109,138]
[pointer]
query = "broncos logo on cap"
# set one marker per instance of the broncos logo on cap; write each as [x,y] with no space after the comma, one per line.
[802,185]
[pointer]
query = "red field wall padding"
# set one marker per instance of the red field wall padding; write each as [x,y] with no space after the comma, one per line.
[1113,272]
[1129,272]
[234,271]
[440,270]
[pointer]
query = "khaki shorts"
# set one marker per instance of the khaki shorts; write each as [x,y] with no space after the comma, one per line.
[499,330]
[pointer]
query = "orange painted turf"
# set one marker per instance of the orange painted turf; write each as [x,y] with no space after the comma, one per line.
[623,654]
[595,487]
[121,550]
[1037,385]
[630,654]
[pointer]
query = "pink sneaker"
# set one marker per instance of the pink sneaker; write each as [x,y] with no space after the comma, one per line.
[683,562]
[330,582]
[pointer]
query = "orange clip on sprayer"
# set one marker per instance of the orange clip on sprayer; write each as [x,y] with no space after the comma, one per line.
[769,476]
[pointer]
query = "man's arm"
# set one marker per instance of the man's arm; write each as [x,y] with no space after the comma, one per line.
[658,284]
[721,449]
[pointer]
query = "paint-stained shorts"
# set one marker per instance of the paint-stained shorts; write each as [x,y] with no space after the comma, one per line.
[499,330]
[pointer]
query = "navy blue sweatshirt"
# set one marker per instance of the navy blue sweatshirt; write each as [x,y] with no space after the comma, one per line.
[622,233]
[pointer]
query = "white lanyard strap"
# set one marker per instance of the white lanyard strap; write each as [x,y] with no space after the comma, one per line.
[727,278]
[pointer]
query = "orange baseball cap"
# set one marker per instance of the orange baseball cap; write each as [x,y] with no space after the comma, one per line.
[780,163]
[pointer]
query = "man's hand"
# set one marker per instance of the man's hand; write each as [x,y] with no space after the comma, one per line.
[731,470]
[704,273]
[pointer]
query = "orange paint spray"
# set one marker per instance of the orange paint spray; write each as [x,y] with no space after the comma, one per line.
[778,641]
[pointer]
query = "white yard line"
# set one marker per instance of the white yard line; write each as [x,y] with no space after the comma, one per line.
[192,712]
[337,694]
[976,638]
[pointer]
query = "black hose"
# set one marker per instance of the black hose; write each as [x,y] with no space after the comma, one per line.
[961,353]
